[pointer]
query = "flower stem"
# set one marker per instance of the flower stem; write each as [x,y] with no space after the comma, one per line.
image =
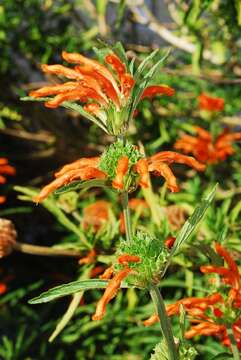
[127,217]
[233,344]
[44,250]
[164,321]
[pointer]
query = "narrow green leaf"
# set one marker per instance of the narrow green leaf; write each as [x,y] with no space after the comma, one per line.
[223,356]
[76,185]
[191,224]
[71,288]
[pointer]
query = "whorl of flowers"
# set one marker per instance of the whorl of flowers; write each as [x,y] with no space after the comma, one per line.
[211,315]
[108,90]
[204,148]
[123,167]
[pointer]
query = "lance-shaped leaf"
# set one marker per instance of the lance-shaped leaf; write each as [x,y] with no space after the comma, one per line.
[71,288]
[191,224]
[76,185]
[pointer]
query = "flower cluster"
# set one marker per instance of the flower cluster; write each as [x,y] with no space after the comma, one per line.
[211,315]
[210,104]
[124,166]
[106,89]
[204,149]
[5,169]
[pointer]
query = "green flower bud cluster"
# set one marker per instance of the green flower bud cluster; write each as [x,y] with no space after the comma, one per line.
[113,153]
[153,255]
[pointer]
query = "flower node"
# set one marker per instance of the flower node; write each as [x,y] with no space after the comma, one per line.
[152,254]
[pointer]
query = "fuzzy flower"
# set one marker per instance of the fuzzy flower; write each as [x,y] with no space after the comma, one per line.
[123,166]
[209,315]
[204,148]
[7,237]
[114,285]
[106,89]
[209,103]
[96,214]
[5,169]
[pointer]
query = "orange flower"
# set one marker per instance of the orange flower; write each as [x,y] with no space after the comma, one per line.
[210,103]
[114,285]
[175,215]
[159,164]
[121,170]
[206,314]
[229,275]
[5,169]
[82,169]
[89,259]
[100,88]
[96,214]
[204,149]
[87,168]
[169,242]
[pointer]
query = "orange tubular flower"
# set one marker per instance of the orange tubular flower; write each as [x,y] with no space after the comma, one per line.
[100,88]
[159,164]
[89,259]
[207,315]
[82,169]
[96,215]
[121,170]
[114,285]
[5,169]
[210,103]
[204,149]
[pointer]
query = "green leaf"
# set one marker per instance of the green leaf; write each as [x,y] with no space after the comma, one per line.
[71,106]
[191,224]
[71,288]
[223,356]
[76,185]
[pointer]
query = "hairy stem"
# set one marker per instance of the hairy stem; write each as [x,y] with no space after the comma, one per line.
[44,250]
[164,321]
[127,217]
[233,343]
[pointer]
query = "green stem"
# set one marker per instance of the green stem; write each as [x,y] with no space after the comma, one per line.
[233,343]
[44,250]
[164,321]
[127,217]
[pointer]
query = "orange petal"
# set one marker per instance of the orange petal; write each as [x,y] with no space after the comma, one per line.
[121,170]
[171,156]
[2,180]
[110,292]
[169,242]
[233,267]
[78,164]
[54,89]
[163,169]
[127,83]
[116,64]
[107,273]
[3,161]
[210,103]
[7,170]
[93,65]
[141,168]
[92,108]
[125,259]
[63,71]
[151,320]
[202,133]
[151,91]
[2,199]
